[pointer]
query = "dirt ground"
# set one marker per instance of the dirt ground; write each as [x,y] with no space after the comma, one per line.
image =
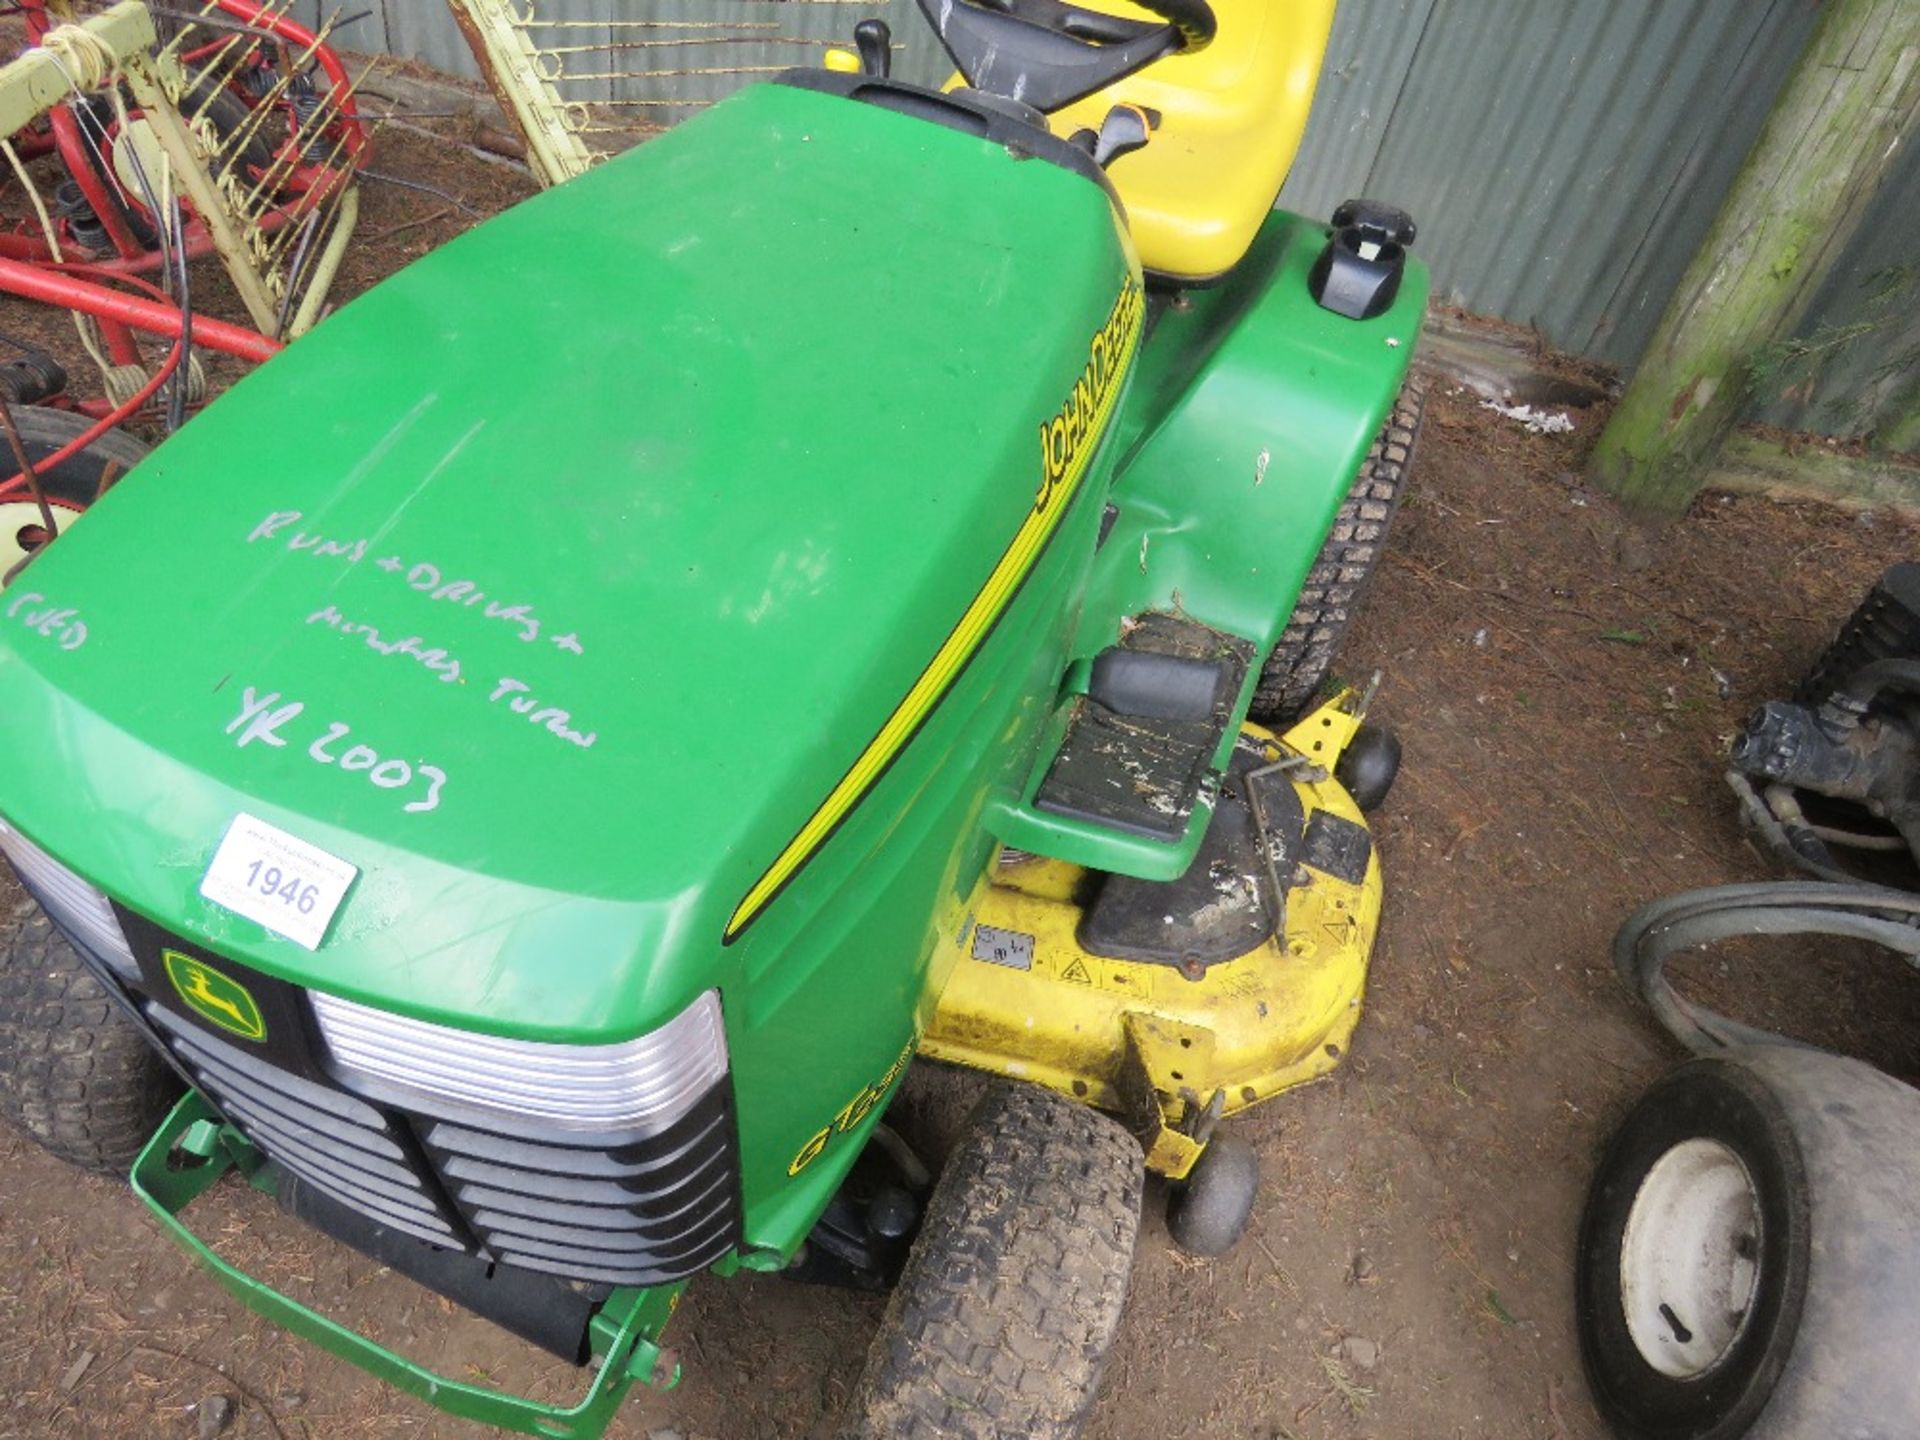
[1565,697]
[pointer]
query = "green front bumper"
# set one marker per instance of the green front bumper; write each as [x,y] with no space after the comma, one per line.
[193,1149]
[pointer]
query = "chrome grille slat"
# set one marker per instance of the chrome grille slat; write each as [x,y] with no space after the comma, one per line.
[514,1230]
[541,1187]
[666,1204]
[609,1221]
[555,1241]
[245,1069]
[398,1187]
[422,1227]
[630,1162]
[372,1146]
[550,1250]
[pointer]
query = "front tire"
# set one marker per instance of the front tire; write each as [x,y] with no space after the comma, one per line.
[75,1073]
[1011,1298]
[1749,1260]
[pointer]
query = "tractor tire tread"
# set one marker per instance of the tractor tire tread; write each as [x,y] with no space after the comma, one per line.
[75,1073]
[1334,587]
[1011,1298]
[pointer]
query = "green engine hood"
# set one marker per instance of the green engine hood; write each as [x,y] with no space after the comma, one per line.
[554,582]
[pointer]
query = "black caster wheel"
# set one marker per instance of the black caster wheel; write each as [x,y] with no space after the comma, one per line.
[1369,766]
[1207,1213]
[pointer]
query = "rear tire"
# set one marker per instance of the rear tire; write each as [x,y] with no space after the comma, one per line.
[75,1073]
[1749,1261]
[1012,1295]
[1334,587]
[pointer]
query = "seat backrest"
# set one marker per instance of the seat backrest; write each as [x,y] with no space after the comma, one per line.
[1231,118]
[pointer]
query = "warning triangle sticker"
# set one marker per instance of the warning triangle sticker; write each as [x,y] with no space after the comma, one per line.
[1076,974]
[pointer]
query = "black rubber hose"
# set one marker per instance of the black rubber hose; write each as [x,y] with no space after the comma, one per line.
[1656,932]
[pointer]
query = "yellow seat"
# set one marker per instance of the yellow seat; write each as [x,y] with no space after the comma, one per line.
[1231,121]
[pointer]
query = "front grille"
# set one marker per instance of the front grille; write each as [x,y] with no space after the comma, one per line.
[340,1145]
[636,1214]
[639,1212]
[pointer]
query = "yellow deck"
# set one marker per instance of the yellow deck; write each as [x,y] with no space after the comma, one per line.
[1106,1031]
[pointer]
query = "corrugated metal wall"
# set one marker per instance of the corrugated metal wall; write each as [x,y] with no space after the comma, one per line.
[1564,157]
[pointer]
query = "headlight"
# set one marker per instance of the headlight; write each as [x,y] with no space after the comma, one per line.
[641,1086]
[81,912]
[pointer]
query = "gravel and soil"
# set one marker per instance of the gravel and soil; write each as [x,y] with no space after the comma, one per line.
[1565,688]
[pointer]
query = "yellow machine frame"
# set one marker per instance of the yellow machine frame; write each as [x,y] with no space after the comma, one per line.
[1171,1050]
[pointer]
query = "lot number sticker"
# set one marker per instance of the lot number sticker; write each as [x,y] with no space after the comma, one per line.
[277,880]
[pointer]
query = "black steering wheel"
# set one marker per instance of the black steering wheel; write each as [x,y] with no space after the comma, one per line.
[1047,53]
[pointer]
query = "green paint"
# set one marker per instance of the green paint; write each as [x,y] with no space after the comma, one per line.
[1250,415]
[750,447]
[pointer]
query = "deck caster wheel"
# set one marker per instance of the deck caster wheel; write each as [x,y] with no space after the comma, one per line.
[1750,1254]
[1207,1213]
[1368,766]
[1011,1297]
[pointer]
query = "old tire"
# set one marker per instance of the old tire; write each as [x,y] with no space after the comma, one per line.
[70,486]
[1334,587]
[1749,1260]
[75,1073]
[1010,1300]
[1207,1213]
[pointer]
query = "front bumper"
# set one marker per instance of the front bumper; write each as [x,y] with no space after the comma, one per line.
[193,1150]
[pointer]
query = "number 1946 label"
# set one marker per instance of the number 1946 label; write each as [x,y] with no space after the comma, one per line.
[277,880]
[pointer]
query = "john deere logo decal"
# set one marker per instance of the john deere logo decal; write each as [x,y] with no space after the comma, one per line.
[213,997]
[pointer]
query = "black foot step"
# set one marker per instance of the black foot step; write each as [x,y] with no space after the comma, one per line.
[1141,741]
[1224,906]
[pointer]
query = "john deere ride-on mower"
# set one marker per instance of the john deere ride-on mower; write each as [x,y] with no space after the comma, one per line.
[783,603]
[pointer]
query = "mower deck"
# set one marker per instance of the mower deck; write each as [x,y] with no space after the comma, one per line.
[1175,1004]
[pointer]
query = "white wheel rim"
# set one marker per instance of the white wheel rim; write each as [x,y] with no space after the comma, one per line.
[19,515]
[1690,1258]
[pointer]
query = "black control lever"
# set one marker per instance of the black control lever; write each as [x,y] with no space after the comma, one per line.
[874,38]
[1125,130]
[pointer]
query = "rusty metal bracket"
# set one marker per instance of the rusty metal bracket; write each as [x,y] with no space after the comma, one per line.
[1160,1104]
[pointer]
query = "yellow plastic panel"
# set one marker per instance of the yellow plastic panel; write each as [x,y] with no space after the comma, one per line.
[1231,121]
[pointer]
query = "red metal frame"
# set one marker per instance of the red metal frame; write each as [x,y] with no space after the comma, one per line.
[99,286]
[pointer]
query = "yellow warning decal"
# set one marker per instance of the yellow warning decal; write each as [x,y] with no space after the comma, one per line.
[1068,442]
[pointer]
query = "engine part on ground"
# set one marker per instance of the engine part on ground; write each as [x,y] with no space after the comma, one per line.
[1839,765]
[1886,626]
[1655,933]
[1750,1254]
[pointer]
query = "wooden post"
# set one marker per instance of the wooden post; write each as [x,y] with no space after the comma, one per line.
[1900,432]
[1852,101]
